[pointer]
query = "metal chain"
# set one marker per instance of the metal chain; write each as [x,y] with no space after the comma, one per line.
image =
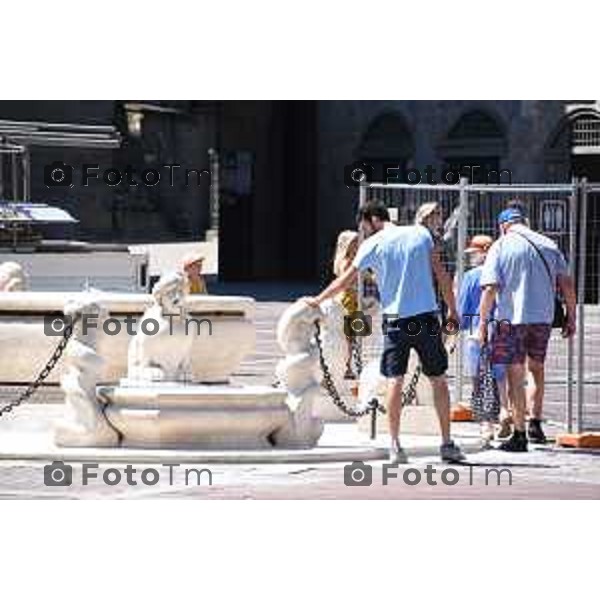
[329,384]
[43,374]
[408,395]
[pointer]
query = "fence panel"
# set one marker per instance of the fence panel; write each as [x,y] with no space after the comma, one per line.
[552,210]
[587,413]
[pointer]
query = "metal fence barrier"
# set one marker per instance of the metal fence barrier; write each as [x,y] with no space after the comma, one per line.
[567,213]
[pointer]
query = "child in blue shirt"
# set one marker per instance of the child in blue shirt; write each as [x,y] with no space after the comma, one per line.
[486,403]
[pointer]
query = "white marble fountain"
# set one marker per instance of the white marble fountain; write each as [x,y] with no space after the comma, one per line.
[171,389]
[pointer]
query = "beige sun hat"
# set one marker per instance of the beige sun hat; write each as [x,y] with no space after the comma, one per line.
[425,210]
[192,258]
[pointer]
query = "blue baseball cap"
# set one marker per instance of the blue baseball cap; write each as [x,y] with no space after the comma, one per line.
[510,214]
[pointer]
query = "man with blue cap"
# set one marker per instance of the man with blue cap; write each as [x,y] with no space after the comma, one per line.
[522,272]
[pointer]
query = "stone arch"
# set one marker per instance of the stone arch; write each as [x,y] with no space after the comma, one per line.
[477,124]
[387,140]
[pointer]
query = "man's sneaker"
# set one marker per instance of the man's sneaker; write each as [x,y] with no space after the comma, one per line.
[535,432]
[451,453]
[517,442]
[397,454]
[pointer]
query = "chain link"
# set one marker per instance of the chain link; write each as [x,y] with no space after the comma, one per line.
[329,384]
[408,395]
[43,374]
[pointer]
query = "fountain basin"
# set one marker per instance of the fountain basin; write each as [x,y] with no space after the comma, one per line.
[25,347]
[165,415]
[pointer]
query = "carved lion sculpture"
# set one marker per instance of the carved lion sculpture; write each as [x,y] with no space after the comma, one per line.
[161,349]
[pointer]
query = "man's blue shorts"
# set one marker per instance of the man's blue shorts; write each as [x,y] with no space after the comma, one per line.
[422,333]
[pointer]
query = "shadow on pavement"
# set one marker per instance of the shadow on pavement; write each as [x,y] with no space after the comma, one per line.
[510,465]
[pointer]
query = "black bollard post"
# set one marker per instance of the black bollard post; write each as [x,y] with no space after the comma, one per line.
[373,405]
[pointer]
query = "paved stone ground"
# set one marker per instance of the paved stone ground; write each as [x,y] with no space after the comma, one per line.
[540,474]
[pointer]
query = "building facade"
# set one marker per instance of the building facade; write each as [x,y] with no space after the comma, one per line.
[277,167]
[531,139]
[146,136]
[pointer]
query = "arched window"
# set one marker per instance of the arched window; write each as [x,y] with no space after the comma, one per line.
[585,134]
[475,145]
[573,148]
[387,141]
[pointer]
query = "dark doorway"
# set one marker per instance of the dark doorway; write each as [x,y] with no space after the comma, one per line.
[268,177]
[300,178]
[237,192]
